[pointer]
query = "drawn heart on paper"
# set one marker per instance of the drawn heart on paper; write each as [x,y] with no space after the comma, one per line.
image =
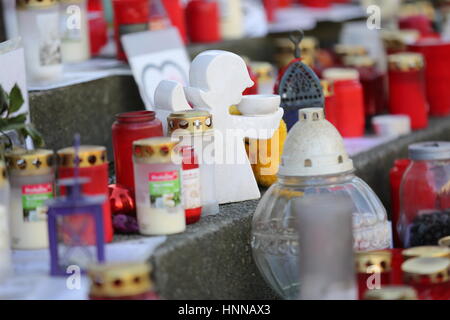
[152,75]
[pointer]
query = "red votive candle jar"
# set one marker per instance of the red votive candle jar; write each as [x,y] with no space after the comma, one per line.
[395,178]
[373,83]
[420,23]
[202,18]
[373,270]
[191,185]
[127,128]
[331,112]
[437,73]
[407,88]
[121,281]
[129,16]
[175,10]
[429,276]
[349,100]
[94,166]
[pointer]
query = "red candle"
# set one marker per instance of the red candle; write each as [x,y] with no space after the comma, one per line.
[94,166]
[271,7]
[316,3]
[129,16]
[202,19]
[373,270]
[429,276]
[98,27]
[407,88]
[437,73]
[395,177]
[175,11]
[349,101]
[127,128]
[191,185]
[331,111]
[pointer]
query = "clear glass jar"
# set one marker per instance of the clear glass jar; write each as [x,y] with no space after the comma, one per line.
[425,195]
[5,252]
[157,174]
[32,184]
[38,23]
[274,237]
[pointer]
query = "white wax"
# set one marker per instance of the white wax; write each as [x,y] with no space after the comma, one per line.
[231,19]
[154,221]
[75,45]
[39,29]
[5,251]
[25,234]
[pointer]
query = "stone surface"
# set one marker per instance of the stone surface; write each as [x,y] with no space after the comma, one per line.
[87,108]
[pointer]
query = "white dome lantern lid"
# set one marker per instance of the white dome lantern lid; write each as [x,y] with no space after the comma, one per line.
[314,147]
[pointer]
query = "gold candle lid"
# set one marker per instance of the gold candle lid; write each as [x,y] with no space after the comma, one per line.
[399,39]
[391,292]
[308,43]
[444,242]
[405,61]
[35,4]
[156,150]
[426,251]
[29,162]
[327,87]
[89,156]
[359,61]
[194,121]
[3,175]
[437,270]
[262,70]
[120,280]
[350,50]
[339,74]
[373,261]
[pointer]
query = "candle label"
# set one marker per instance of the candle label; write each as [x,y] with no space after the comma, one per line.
[191,189]
[165,189]
[33,201]
[49,41]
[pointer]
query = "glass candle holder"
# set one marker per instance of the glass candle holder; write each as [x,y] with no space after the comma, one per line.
[395,178]
[75,46]
[38,22]
[5,251]
[32,184]
[195,128]
[349,97]
[437,73]
[429,276]
[191,185]
[94,166]
[121,281]
[129,16]
[373,270]
[424,196]
[407,88]
[127,128]
[157,174]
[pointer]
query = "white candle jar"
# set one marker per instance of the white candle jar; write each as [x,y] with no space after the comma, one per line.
[195,128]
[158,186]
[314,165]
[5,252]
[75,45]
[38,22]
[32,184]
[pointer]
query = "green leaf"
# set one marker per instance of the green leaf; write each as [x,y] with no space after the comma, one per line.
[34,135]
[13,126]
[3,100]
[15,99]
[20,118]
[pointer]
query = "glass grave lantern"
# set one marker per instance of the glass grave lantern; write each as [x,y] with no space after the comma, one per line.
[75,226]
[314,163]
